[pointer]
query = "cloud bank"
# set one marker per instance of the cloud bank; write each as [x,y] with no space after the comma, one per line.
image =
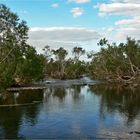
[64,36]
[130,9]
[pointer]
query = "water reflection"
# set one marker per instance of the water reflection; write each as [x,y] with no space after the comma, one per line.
[13,117]
[70,112]
[118,98]
[21,97]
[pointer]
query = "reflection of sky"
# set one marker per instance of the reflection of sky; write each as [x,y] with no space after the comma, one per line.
[75,114]
[116,128]
[69,117]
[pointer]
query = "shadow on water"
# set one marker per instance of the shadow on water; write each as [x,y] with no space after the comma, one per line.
[69,112]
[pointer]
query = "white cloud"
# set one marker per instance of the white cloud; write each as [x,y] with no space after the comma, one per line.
[55,5]
[110,29]
[24,12]
[129,26]
[61,36]
[77,12]
[134,22]
[68,34]
[122,33]
[79,1]
[128,9]
[125,1]
[102,14]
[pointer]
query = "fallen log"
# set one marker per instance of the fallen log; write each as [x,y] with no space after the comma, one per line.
[24,88]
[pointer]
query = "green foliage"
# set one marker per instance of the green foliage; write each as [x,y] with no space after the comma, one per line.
[77,52]
[61,67]
[75,70]
[17,59]
[32,66]
[117,61]
[20,63]
[60,54]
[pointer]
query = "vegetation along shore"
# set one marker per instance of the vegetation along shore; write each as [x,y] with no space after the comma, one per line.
[21,64]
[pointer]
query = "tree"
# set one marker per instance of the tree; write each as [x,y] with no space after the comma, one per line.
[31,68]
[60,55]
[117,62]
[47,53]
[103,42]
[13,36]
[14,50]
[78,52]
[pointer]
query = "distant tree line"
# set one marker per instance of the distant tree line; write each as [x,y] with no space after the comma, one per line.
[113,63]
[20,63]
[57,66]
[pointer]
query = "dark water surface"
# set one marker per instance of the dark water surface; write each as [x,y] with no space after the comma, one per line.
[76,112]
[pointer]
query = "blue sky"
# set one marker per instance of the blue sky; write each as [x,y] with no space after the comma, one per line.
[68,23]
[41,13]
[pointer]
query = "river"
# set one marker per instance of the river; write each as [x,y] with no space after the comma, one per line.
[71,112]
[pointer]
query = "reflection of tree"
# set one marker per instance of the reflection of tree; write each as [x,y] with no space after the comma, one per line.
[31,112]
[76,92]
[21,97]
[60,93]
[47,93]
[122,99]
[11,118]
[30,96]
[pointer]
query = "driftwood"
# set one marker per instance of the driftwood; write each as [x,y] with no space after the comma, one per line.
[25,88]
[125,79]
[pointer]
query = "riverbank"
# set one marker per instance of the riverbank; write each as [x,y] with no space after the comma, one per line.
[55,82]
[69,83]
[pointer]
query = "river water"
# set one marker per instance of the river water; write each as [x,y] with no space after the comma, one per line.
[71,112]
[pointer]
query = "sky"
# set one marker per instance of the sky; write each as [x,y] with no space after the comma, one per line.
[82,23]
